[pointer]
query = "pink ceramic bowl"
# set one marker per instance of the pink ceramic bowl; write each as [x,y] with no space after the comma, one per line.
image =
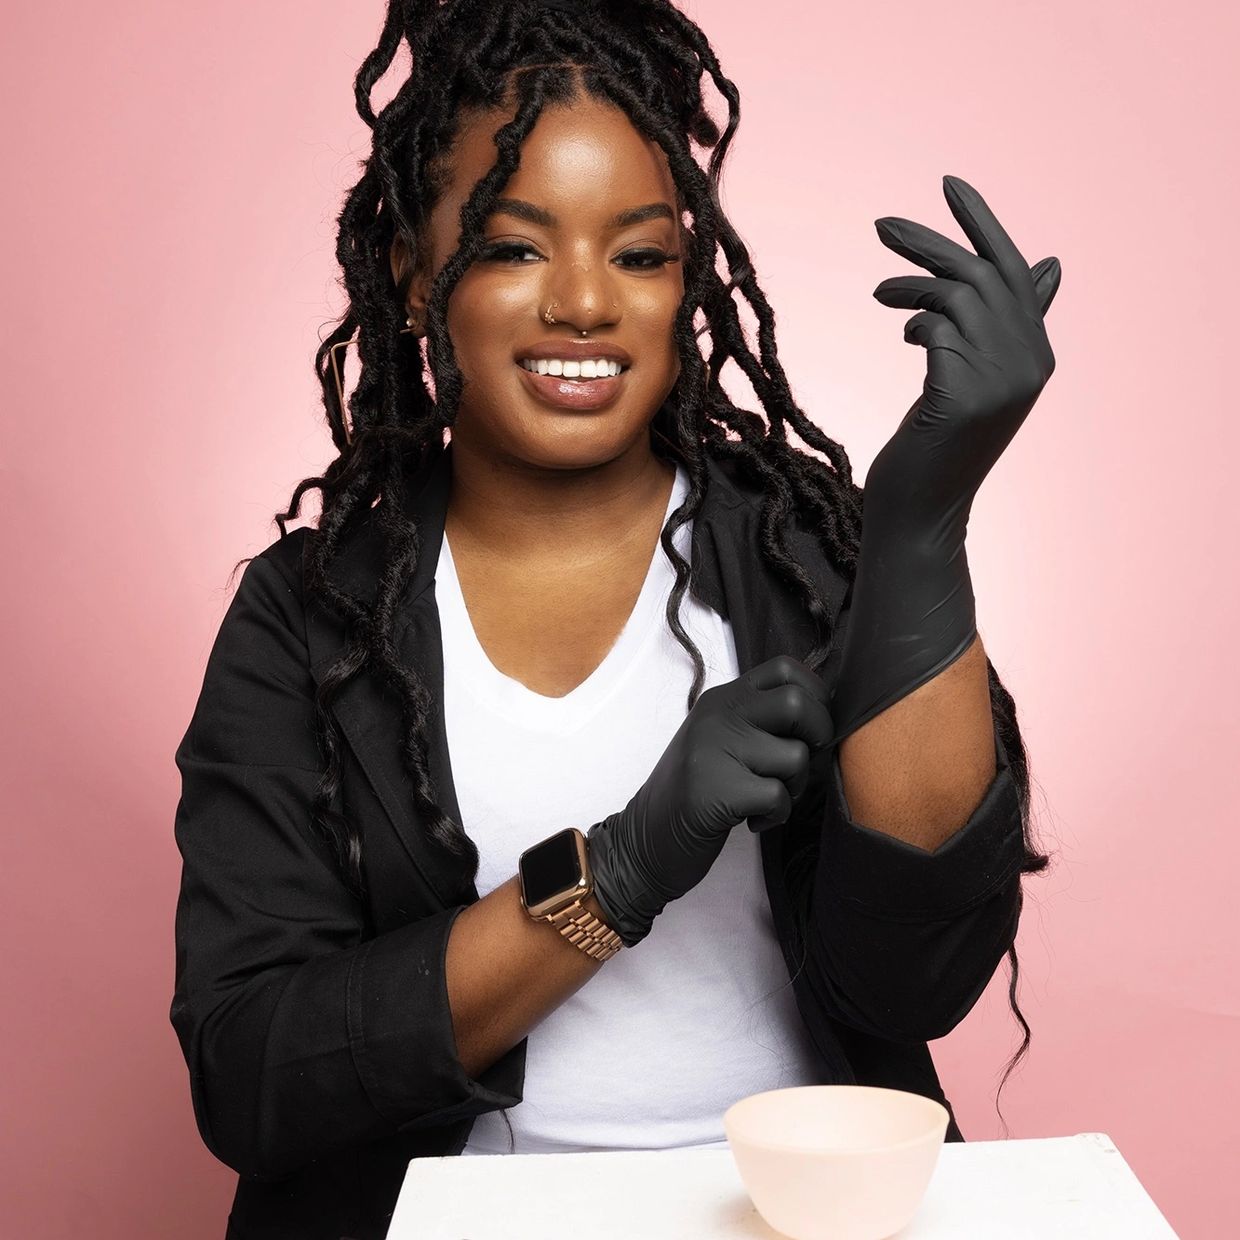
[836,1162]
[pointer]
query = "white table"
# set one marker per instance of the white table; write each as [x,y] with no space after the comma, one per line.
[1059,1187]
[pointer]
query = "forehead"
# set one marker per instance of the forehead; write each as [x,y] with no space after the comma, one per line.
[583,161]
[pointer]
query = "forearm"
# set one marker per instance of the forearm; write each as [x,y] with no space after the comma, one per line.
[506,972]
[919,768]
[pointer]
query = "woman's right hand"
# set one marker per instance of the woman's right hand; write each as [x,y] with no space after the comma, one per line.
[743,752]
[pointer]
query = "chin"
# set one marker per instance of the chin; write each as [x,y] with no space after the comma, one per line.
[581,441]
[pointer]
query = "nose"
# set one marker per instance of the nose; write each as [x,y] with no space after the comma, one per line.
[581,297]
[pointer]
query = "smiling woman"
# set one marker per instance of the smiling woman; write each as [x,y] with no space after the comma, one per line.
[585,241]
[569,617]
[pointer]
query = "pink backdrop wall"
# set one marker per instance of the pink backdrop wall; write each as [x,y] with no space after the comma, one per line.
[174,173]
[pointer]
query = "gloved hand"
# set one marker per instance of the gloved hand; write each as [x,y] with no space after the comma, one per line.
[988,358]
[743,751]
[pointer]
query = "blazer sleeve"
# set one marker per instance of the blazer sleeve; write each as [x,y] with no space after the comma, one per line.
[301,1034]
[901,941]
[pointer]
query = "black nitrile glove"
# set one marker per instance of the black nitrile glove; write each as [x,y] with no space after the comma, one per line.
[743,751]
[988,358]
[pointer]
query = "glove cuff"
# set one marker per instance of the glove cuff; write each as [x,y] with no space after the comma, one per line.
[624,908]
[912,615]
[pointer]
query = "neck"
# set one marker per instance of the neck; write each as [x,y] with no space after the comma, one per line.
[534,513]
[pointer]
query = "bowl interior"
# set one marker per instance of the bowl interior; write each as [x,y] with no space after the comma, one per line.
[834,1117]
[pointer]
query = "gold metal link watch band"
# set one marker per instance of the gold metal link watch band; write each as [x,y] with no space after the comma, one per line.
[585,931]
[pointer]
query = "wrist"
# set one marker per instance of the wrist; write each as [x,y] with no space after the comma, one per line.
[619,908]
[554,884]
[591,904]
[912,612]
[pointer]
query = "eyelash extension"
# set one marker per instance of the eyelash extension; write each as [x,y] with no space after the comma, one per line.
[509,249]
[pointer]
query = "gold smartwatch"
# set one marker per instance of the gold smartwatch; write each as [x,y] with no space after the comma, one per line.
[555,879]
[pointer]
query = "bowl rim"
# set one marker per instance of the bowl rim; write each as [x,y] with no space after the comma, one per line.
[801,1148]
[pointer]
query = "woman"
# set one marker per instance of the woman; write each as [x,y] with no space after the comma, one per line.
[486,734]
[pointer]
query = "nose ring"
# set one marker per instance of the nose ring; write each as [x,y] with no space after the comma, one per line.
[549,318]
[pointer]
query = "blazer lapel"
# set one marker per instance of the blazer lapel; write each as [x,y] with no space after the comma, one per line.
[370,715]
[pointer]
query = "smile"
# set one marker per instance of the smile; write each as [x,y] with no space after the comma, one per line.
[568,368]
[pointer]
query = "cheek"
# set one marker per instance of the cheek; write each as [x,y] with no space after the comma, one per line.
[657,314]
[482,314]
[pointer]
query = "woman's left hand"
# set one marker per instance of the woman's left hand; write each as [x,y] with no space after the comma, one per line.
[988,358]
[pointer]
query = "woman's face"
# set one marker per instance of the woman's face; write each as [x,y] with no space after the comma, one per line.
[559,237]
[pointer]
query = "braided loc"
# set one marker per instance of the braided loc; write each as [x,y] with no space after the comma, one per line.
[648,59]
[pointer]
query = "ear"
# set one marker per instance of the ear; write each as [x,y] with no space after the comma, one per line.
[404,268]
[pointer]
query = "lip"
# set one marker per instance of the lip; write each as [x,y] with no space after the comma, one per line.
[580,395]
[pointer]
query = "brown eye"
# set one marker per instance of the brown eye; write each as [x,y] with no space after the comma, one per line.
[506,251]
[648,260]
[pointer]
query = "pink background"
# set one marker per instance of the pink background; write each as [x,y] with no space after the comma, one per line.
[174,174]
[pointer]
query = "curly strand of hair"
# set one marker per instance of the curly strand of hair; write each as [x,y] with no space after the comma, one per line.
[701,192]
[741,266]
[779,495]
[688,401]
[533,89]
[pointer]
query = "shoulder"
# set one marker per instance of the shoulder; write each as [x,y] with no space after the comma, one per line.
[279,565]
[731,485]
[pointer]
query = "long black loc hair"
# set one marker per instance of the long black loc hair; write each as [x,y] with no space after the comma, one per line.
[648,59]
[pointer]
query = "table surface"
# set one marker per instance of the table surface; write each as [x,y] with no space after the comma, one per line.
[1065,1187]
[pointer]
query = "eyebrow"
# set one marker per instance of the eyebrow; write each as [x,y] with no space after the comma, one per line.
[533,214]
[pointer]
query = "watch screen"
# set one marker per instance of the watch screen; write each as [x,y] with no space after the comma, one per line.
[550,867]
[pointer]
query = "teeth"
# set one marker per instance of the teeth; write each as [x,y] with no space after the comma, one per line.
[593,368]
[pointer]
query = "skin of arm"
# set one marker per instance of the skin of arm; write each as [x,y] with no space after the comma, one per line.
[506,972]
[919,769]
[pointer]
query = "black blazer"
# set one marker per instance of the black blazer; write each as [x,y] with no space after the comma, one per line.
[316,1028]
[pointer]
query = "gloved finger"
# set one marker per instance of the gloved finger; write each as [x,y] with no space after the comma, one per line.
[777,757]
[790,710]
[777,808]
[960,303]
[991,240]
[934,331]
[783,669]
[1046,276]
[943,257]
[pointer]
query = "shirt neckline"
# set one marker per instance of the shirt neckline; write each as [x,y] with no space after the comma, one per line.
[508,695]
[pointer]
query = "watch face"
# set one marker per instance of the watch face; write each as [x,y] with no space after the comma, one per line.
[550,867]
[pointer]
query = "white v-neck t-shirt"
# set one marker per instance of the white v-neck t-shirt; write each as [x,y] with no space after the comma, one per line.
[651,1051]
